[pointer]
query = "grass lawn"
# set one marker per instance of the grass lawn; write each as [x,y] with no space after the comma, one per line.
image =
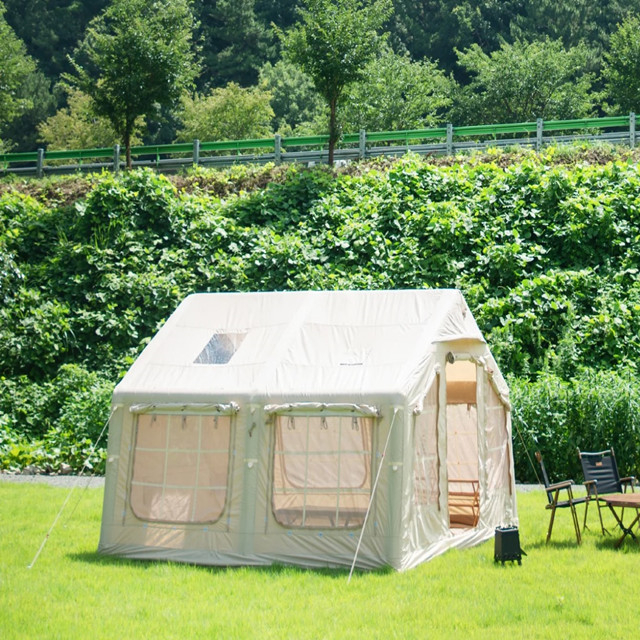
[560,591]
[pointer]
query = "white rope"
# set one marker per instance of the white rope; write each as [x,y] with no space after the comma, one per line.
[373,491]
[73,488]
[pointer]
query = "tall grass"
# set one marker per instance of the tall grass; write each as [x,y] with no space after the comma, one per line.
[560,590]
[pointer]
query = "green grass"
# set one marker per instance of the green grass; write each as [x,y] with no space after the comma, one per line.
[560,590]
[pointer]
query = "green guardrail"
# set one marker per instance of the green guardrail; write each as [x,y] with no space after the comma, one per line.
[305,141]
[496,129]
[82,154]
[27,156]
[277,144]
[586,123]
[161,149]
[412,134]
[238,145]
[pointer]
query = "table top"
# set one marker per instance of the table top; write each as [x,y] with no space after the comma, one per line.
[622,499]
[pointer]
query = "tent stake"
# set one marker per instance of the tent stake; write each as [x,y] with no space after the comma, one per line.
[373,491]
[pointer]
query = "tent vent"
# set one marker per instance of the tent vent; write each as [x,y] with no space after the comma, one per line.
[220,348]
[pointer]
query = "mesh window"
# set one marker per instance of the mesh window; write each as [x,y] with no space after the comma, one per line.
[180,468]
[322,471]
[220,348]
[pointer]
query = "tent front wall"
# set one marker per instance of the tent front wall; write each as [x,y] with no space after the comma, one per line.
[156,475]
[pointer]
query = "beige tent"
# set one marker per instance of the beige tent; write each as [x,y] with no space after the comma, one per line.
[298,427]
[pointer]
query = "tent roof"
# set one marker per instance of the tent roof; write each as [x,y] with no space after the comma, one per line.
[306,345]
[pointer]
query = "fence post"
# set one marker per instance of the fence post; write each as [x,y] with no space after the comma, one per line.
[449,139]
[363,144]
[539,128]
[196,152]
[277,148]
[632,129]
[116,158]
[40,163]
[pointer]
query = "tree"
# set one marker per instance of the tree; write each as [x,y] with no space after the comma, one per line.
[572,21]
[523,81]
[397,93]
[51,29]
[293,96]
[280,12]
[622,66]
[233,41]
[77,127]
[15,67]
[136,55]
[40,101]
[231,113]
[435,28]
[333,42]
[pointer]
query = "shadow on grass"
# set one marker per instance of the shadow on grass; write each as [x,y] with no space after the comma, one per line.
[568,543]
[274,569]
[629,545]
[606,542]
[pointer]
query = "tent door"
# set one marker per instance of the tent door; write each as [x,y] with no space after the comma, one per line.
[462,444]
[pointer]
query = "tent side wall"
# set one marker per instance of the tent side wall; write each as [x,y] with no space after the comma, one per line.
[248,530]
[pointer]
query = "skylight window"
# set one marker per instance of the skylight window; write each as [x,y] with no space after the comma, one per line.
[220,348]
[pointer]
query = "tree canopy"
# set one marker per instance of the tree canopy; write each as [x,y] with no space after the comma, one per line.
[294,99]
[15,67]
[77,127]
[622,66]
[234,41]
[526,80]
[397,93]
[333,42]
[237,42]
[229,113]
[136,55]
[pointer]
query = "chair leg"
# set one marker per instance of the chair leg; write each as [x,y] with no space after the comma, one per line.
[576,523]
[586,510]
[553,515]
[604,531]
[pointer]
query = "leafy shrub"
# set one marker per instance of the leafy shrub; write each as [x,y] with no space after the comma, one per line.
[547,255]
[56,422]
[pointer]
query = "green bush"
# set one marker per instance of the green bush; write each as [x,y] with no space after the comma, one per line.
[53,423]
[546,254]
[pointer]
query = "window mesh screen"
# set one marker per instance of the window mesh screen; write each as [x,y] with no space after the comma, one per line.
[322,470]
[180,467]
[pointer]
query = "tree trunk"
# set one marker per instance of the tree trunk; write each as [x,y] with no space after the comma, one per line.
[333,129]
[127,144]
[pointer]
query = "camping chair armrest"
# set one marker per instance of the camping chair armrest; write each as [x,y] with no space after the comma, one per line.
[565,484]
[592,488]
[631,481]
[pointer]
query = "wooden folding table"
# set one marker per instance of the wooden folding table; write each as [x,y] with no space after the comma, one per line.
[621,501]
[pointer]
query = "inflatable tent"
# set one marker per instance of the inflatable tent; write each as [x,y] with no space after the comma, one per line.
[299,427]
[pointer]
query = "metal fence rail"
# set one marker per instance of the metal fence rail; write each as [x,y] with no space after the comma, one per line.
[448,140]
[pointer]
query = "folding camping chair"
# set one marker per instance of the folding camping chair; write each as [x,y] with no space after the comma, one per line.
[553,493]
[601,477]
